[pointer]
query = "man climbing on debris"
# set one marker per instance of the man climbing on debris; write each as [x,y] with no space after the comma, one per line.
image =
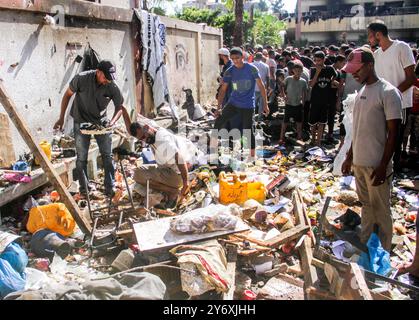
[242,77]
[376,120]
[93,91]
[173,156]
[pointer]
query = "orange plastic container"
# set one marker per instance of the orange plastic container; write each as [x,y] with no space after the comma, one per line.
[55,217]
[257,191]
[233,188]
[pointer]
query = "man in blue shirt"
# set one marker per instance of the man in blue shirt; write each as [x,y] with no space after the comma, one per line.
[242,77]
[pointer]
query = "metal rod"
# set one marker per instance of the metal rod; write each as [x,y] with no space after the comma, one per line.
[148,192]
[126,183]
[93,232]
[155,265]
[86,188]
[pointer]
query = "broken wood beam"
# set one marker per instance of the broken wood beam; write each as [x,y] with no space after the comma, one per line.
[318,294]
[46,165]
[356,285]
[284,237]
[305,251]
[322,221]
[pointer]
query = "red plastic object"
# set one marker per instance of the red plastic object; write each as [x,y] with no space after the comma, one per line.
[249,295]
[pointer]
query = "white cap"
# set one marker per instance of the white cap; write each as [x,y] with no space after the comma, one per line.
[224,52]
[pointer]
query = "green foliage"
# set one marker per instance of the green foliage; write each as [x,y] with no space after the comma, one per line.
[229,4]
[159,11]
[199,15]
[265,29]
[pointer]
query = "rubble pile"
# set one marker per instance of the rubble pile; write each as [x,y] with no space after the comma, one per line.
[281,227]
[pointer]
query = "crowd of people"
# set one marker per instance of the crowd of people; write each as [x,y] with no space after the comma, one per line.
[313,82]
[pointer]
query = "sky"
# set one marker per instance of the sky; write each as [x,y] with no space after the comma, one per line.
[289,5]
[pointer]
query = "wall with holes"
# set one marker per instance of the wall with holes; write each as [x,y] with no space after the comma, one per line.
[36,64]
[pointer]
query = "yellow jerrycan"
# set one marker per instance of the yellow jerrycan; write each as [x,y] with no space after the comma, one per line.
[233,188]
[55,217]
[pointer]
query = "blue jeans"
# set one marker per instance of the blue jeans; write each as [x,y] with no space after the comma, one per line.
[104,142]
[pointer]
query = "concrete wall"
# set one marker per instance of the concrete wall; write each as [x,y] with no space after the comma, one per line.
[400,26]
[46,64]
[410,21]
[192,60]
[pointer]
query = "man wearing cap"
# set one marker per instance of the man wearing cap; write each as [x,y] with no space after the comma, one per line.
[376,120]
[93,90]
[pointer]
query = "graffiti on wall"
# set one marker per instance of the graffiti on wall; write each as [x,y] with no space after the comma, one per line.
[181,56]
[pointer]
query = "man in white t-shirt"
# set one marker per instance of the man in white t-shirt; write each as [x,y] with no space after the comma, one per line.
[174,156]
[394,62]
[376,121]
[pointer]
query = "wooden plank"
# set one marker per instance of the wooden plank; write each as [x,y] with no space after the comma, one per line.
[318,294]
[409,244]
[284,237]
[305,251]
[309,271]
[305,216]
[356,285]
[322,221]
[7,153]
[46,165]
[156,234]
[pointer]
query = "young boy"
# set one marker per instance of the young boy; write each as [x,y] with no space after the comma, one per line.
[322,95]
[295,90]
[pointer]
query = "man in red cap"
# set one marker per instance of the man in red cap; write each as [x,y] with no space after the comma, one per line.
[376,119]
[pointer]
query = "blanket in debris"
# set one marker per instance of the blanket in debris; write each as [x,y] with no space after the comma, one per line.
[153,41]
[130,286]
[208,265]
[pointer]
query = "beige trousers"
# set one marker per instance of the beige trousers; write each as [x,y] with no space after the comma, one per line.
[375,205]
[160,174]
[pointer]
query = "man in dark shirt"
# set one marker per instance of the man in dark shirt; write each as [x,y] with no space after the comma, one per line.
[93,90]
[322,77]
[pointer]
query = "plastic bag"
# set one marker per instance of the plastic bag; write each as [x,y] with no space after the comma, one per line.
[209,219]
[378,260]
[10,279]
[348,108]
[16,256]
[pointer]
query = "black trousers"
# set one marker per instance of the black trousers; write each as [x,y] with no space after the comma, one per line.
[229,112]
[399,143]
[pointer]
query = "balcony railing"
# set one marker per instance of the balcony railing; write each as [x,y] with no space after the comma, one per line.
[348,24]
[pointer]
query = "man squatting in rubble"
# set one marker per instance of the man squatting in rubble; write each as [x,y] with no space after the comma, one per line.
[171,172]
[376,119]
[93,90]
[242,77]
